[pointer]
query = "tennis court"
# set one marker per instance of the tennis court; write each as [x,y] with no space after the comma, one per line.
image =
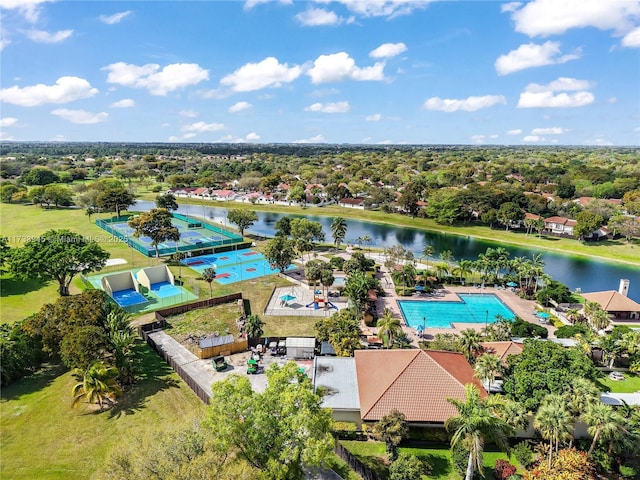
[233,266]
[194,235]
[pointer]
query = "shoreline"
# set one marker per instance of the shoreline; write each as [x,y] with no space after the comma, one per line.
[296,210]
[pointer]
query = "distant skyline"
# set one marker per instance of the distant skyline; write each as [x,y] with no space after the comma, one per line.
[544,72]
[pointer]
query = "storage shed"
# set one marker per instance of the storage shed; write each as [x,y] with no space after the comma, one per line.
[301,347]
[221,345]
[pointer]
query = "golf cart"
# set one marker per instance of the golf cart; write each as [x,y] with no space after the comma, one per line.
[252,366]
[219,363]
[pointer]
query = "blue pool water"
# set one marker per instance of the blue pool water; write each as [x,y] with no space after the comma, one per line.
[472,308]
[126,298]
[165,289]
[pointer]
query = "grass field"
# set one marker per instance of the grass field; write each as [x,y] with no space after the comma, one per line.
[630,384]
[372,454]
[44,438]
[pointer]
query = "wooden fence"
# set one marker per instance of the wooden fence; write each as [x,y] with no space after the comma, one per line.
[187,307]
[356,465]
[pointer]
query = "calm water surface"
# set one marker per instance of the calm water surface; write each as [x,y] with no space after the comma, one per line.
[575,272]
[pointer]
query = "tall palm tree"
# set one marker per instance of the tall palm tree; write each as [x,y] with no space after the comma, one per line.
[580,395]
[406,276]
[463,268]
[554,422]
[470,343]
[476,422]
[486,368]
[389,327]
[366,239]
[428,252]
[604,424]
[97,384]
[338,230]
[209,275]
[326,279]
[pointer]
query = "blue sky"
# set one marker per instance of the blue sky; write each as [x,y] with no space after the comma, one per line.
[545,72]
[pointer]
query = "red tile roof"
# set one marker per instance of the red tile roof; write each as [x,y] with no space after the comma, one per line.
[502,349]
[416,382]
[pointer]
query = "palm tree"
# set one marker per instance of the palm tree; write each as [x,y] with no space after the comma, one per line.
[604,424]
[209,275]
[97,384]
[554,422]
[389,327]
[486,368]
[326,279]
[514,414]
[476,422]
[407,275]
[254,326]
[464,268]
[338,230]
[428,252]
[366,239]
[580,395]
[470,343]
[442,269]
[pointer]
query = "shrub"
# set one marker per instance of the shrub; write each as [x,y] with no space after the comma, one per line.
[337,262]
[503,470]
[570,331]
[520,328]
[156,188]
[523,453]
[407,467]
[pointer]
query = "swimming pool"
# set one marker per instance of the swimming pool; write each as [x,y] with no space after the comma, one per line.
[472,308]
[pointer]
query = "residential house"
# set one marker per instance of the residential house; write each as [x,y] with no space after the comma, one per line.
[616,303]
[559,226]
[502,349]
[352,203]
[370,385]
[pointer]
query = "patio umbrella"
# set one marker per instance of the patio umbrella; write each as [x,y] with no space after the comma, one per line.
[543,315]
[512,284]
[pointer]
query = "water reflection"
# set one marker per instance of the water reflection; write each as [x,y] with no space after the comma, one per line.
[575,272]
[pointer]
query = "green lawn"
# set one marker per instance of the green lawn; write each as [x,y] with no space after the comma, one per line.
[630,384]
[43,437]
[372,454]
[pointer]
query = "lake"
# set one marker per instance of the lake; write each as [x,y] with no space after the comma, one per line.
[589,275]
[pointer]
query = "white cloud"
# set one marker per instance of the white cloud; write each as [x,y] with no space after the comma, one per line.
[382,8]
[188,113]
[510,7]
[539,96]
[249,4]
[316,139]
[3,43]
[340,66]
[186,136]
[66,89]
[200,127]
[532,55]
[252,137]
[387,50]
[124,103]
[600,141]
[548,131]
[158,82]
[336,107]
[80,116]
[478,138]
[8,121]
[373,118]
[637,130]
[612,100]
[632,39]
[515,131]
[239,107]
[315,17]
[256,76]
[470,104]
[41,36]
[553,17]
[115,18]
[30,9]
[532,138]
[6,137]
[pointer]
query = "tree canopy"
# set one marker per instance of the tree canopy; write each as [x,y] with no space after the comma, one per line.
[155,224]
[243,219]
[58,255]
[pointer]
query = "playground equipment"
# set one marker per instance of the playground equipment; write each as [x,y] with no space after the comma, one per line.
[317,301]
[219,363]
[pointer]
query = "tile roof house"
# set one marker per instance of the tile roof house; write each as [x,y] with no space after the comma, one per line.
[352,203]
[616,304]
[502,349]
[415,382]
[559,225]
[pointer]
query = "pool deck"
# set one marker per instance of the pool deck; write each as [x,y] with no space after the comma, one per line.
[521,307]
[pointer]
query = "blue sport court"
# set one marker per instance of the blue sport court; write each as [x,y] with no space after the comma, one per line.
[129,297]
[233,266]
[472,308]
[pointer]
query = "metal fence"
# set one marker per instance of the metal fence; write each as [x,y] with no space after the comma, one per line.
[356,465]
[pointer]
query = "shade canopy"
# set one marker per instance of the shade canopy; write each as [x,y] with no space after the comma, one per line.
[512,284]
[419,288]
[287,298]
[543,315]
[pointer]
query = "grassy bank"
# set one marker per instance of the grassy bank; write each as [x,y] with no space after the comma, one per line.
[43,437]
[612,250]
